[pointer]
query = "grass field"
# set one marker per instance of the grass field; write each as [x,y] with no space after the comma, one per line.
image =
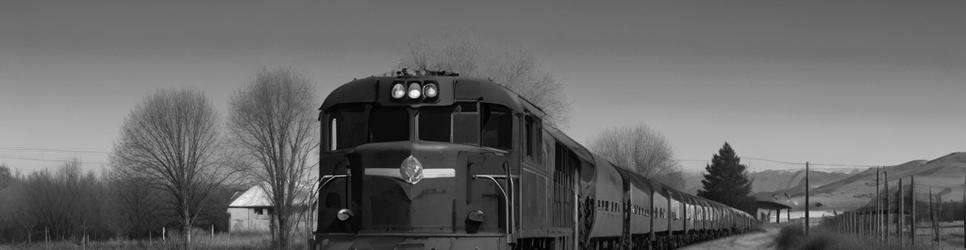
[792,237]
[219,241]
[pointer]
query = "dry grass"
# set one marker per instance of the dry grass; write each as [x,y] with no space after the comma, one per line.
[793,238]
[220,241]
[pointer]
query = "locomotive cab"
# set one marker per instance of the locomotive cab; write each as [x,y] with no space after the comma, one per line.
[420,163]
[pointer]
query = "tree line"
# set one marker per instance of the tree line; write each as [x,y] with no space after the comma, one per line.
[71,204]
[176,166]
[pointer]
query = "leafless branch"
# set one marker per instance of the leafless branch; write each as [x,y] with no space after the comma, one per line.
[273,123]
[517,70]
[171,140]
[638,148]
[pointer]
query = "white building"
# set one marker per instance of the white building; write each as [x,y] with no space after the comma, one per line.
[250,212]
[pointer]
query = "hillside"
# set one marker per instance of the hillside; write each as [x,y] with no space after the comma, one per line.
[769,181]
[944,174]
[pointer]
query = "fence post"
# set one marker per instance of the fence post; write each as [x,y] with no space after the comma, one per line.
[807,222]
[939,214]
[932,216]
[848,222]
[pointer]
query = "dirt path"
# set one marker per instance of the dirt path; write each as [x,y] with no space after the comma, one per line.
[753,240]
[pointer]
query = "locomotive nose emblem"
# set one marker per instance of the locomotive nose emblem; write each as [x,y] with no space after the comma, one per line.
[411,170]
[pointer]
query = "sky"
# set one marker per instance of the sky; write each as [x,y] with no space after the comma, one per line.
[848,82]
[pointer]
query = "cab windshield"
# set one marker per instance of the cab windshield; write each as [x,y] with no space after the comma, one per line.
[481,124]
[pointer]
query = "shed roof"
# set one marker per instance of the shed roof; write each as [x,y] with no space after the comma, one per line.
[771,205]
[253,197]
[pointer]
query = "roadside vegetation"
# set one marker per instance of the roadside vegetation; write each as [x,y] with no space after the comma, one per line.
[793,237]
[199,241]
[73,206]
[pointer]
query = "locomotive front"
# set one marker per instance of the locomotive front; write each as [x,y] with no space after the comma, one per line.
[416,162]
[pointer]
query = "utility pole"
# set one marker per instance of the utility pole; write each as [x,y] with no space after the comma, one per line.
[877,208]
[806,199]
[901,217]
[888,206]
[912,219]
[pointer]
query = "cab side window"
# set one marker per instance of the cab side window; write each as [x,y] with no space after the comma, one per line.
[533,137]
[466,123]
[348,126]
[497,127]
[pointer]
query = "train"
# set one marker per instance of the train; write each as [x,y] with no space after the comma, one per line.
[433,161]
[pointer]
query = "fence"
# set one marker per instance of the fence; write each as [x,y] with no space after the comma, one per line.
[906,213]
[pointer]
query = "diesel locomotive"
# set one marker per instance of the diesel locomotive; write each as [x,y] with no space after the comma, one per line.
[438,161]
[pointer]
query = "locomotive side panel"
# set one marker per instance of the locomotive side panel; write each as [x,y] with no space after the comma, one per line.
[536,180]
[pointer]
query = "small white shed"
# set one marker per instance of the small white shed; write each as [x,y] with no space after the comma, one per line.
[250,212]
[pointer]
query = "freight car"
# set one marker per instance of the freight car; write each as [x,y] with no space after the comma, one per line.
[437,161]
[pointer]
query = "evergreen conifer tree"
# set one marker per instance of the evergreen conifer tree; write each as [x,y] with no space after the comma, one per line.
[726,180]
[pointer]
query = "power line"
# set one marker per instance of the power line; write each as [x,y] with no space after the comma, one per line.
[841,165]
[50,160]
[38,149]
[773,161]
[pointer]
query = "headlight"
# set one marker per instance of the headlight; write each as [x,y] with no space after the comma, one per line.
[344,214]
[476,215]
[398,91]
[414,91]
[430,90]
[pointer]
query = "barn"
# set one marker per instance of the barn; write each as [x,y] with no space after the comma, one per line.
[250,211]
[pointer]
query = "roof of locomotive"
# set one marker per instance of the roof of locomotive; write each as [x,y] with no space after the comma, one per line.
[635,179]
[376,89]
[574,146]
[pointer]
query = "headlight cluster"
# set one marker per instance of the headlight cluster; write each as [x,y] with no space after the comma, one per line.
[415,90]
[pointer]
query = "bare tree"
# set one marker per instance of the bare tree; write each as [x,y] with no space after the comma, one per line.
[515,69]
[273,122]
[171,139]
[5,176]
[133,204]
[641,149]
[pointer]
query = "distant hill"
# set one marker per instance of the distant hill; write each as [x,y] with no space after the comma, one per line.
[768,182]
[945,174]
